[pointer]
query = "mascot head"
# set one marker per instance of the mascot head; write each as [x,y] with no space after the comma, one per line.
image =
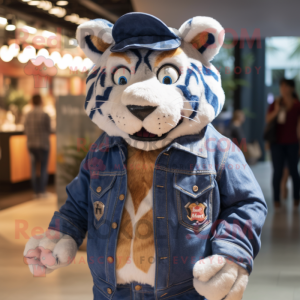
[150,83]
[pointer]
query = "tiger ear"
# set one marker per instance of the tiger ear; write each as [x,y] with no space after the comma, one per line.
[94,37]
[205,34]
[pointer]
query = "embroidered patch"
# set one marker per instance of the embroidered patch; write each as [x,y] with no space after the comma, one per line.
[98,210]
[196,211]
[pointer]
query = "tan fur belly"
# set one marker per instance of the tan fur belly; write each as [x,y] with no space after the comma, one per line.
[135,249]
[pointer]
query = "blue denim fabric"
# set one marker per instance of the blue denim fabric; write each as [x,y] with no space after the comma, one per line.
[235,209]
[128,292]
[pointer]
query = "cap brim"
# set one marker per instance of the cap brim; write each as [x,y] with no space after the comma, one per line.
[148,42]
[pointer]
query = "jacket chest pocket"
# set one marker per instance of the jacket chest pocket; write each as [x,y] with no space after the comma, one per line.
[101,190]
[194,200]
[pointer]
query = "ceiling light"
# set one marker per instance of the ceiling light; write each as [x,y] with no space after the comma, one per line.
[3,21]
[14,49]
[45,5]
[47,34]
[29,51]
[30,29]
[5,54]
[22,58]
[56,57]
[58,11]
[73,42]
[76,64]
[43,52]
[87,64]
[68,59]
[34,3]
[10,27]
[72,18]
[82,20]
[62,64]
[62,3]
[26,0]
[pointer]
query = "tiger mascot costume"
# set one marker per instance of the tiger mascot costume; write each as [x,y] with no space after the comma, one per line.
[170,207]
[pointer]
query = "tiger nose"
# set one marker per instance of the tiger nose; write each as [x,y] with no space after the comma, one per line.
[141,112]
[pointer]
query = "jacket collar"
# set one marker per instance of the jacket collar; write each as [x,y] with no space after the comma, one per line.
[194,144]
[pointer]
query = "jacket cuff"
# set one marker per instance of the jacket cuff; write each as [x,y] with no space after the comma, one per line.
[233,252]
[62,224]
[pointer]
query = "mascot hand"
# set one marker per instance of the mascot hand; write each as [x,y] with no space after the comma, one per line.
[217,278]
[49,251]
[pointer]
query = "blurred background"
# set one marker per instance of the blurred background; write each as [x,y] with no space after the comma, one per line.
[262,46]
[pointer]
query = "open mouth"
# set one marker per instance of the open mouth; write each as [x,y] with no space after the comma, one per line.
[144,135]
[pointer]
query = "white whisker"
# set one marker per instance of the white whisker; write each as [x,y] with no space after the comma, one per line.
[189,109]
[190,119]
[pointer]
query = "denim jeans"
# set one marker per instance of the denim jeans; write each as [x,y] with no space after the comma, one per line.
[39,157]
[145,292]
[283,154]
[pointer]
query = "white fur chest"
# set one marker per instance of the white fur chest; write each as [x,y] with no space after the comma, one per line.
[135,251]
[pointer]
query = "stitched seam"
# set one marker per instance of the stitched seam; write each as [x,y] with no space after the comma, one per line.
[111,173]
[154,212]
[221,168]
[179,211]
[101,291]
[220,240]
[237,262]
[104,216]
[195,195]
[180,293]
[99,195]
[211,205]
[62,231]
[62,216]
[169,248]
[100,278]
[110,233]
[116,241]
[182,282]
[192,227]
[184,172]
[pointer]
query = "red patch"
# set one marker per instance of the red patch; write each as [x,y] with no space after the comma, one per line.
[196,212]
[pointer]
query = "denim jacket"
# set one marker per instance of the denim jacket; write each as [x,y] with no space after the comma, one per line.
[206,168]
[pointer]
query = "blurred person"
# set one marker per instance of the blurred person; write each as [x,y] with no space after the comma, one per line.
[285,113]
[37,129]
[251,151]
[235,131]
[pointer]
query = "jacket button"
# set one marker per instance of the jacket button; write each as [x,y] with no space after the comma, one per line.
[137,287]
[195,188]
[110,259]
[122,197]
[114,225]
[99,189]
[109,291]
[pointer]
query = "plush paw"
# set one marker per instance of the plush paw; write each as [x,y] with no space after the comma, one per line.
[217,278]
[49,251]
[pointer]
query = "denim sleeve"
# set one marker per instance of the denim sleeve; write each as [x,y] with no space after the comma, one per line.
[72,218]
[242,213]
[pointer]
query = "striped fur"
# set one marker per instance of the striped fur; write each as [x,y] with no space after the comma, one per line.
[196,98]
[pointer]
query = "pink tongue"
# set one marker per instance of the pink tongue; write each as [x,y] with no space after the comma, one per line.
[144,133]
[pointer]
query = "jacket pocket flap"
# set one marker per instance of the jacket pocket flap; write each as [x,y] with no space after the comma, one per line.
[101,185]
[194,185]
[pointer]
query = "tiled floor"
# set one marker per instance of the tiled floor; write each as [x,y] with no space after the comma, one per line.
[276,271]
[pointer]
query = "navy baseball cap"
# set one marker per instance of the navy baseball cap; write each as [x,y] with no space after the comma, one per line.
[140,30]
